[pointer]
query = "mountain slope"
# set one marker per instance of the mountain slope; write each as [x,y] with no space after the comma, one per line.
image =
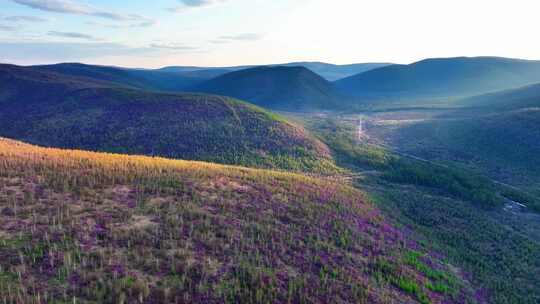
[283,88]
[445,77]
[55,110]
[102,228]
[496,133]
[524,97]
[500,143]
[136,78]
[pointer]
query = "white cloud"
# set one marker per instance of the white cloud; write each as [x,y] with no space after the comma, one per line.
[58,6]
[7,28]
[198,3]
[73,35]
[25,19]
[71,7]
[190,4]
[173,46]
[243,37]
[148,23]
[238,37]
[217,41]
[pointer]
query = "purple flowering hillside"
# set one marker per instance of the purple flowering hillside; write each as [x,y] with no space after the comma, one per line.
[84,227]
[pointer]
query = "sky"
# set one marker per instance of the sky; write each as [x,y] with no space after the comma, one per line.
[157,33]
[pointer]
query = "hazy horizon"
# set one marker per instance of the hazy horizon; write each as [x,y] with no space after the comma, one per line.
[241,32]
[248,65]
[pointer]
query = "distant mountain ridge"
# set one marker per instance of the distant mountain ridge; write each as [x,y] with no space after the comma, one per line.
[301,85]
[328,71]
[442,77]
[279,87]
[333,72]
[136,78]
[181,78]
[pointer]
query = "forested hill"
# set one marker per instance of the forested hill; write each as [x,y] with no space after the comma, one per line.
[281,88]
[57,110]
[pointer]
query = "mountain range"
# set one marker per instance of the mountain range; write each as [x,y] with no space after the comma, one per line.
[443,77]
[310,85]
[330,72]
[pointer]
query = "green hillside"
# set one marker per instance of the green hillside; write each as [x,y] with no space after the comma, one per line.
[502,144]
[84,227]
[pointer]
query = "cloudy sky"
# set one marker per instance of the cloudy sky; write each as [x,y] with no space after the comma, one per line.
[142,33]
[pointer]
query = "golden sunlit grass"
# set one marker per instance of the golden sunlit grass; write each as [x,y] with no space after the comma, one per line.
[119,168]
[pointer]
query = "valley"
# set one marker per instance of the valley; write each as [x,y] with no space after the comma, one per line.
[461,138]
[440,200]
